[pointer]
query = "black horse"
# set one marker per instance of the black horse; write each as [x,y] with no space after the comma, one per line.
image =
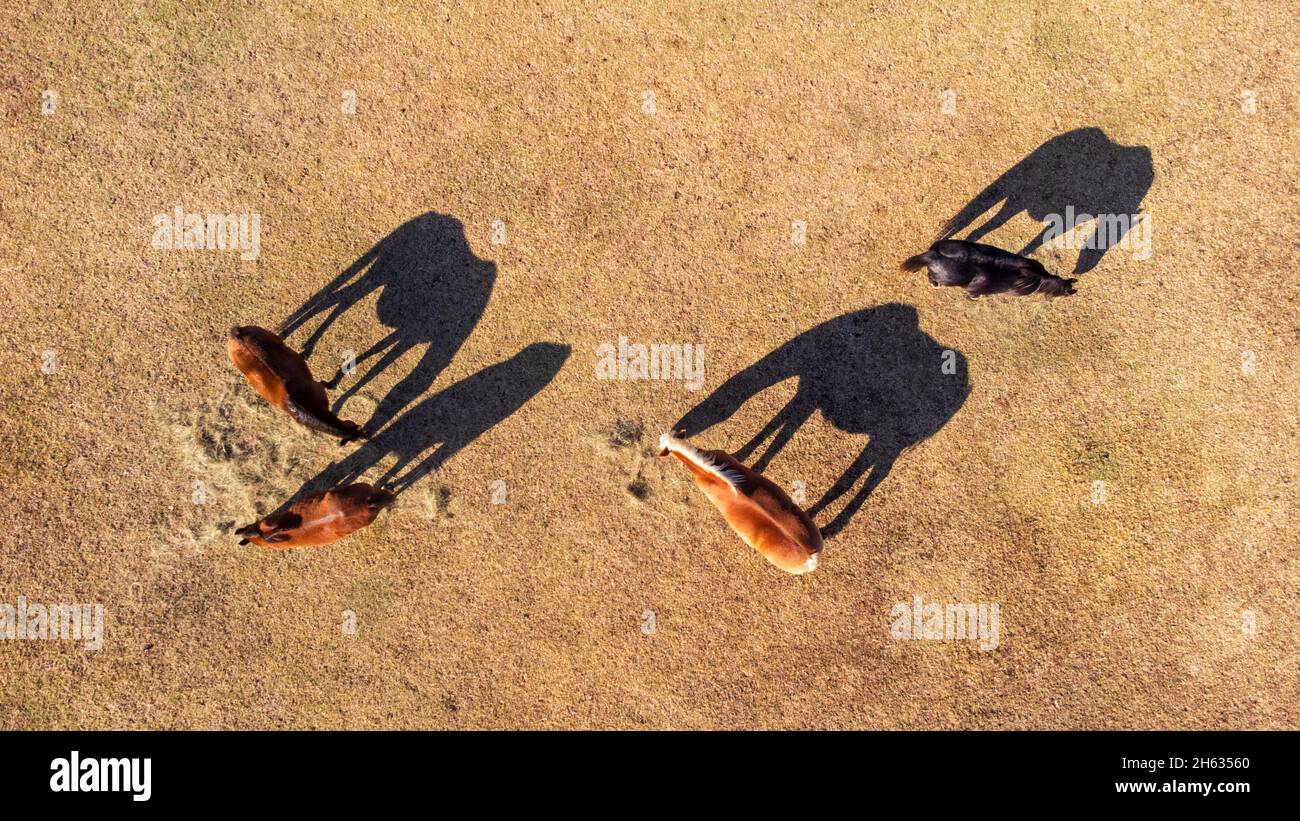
[872,372]
[1081,169]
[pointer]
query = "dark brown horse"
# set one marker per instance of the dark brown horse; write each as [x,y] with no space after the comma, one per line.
[318,519]
[280,374]
[982,270]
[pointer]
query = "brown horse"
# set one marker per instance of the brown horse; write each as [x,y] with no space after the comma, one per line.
[318,519]
[282,377]
[760,512]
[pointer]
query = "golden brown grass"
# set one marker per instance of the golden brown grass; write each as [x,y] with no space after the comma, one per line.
[671,227]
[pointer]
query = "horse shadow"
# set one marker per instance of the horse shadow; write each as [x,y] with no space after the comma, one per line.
[1082,169]
[432,292]
[439,427]
[872,372]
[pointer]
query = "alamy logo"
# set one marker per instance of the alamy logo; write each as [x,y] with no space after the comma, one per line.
[1132,232]
[67,622]
[212,232]
[77,774]
[952,622]
[635,361]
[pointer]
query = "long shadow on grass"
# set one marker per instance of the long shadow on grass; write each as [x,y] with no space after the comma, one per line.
[1081,169]
[432,291]
[872,372]
[436,429]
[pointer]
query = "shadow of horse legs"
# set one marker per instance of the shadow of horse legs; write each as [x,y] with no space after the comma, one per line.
[878,458]
[432,291]
[429,434]
[782,429]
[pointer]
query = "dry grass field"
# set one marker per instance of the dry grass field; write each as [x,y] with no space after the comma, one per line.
[484,195]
